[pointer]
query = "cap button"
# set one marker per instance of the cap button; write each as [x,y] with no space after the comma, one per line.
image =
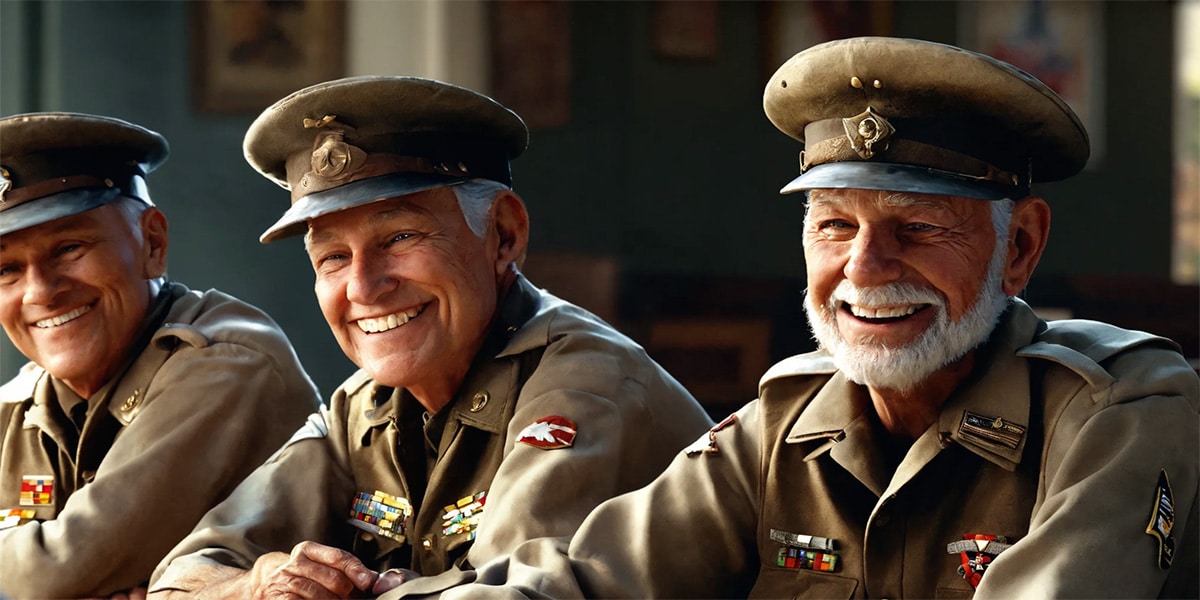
[856,83]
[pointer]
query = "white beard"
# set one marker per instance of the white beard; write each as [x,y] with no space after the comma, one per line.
[875,364]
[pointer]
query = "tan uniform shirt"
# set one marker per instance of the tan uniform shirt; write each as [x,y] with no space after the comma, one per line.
[216,389]
[490,470]
[1057,444]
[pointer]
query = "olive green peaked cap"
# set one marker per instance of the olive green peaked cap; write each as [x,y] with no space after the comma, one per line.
[915,116]
[58,164]
[352,141]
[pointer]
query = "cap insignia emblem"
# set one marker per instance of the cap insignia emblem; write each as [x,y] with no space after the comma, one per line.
[5,183]
[867,130]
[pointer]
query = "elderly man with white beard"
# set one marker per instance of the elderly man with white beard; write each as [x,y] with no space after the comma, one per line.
[944,441]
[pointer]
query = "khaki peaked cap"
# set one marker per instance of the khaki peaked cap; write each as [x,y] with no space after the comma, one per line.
[57,164]
[910,115]
[352,141]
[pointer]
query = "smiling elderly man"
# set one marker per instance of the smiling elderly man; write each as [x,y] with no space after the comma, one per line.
[145,403]
[486,412]
[945,441]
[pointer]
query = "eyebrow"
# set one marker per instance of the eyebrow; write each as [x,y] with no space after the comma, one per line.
[893,200]
[373,219]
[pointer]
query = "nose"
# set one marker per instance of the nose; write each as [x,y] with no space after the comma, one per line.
[42,285]
[874,257]
[370,279]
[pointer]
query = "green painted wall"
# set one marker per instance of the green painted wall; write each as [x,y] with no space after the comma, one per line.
[669,166]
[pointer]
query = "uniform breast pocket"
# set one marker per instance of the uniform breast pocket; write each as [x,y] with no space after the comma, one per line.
[797,583]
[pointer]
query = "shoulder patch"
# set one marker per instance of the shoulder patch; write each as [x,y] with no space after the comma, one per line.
[549,433]
[1162,520]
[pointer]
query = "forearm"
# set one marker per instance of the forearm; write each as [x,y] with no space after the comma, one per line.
[209,581]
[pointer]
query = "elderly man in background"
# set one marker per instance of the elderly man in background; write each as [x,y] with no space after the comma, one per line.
[486,412]
[145,403]
[945,441]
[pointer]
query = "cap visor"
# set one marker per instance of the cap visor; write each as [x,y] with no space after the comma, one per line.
[55,206]
[365,191]
[899,178]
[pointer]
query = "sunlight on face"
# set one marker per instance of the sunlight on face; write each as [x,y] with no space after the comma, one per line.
[876,363]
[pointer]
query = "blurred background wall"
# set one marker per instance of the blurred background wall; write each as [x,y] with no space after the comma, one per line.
[652,174]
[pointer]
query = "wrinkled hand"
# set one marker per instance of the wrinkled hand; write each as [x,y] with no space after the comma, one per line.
[312,570]
[392,578]
[137,593]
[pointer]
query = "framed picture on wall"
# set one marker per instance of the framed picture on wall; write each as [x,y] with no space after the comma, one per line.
[1060,43]
[246,54]
[531,59]
[790,26]
[686,29]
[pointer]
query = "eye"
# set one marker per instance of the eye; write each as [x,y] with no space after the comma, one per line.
[400,237]
[67,249]
[920,227]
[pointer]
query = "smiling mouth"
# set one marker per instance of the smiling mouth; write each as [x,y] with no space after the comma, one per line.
[886,314]
[63,318]
[381,324]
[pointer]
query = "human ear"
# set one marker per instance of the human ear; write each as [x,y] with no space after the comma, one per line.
[154,243]
[512,230]
[1027,235]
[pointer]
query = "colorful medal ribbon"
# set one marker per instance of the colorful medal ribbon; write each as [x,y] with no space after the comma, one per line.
[810,552]
[37,490]
[977,550]
[15,516]
[463,516]
[381,514]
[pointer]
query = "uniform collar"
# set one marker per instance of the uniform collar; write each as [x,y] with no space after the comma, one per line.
[988,414]
[507,336]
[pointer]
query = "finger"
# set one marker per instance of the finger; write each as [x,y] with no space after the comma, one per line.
[277,576]
[391,579]
[340,570]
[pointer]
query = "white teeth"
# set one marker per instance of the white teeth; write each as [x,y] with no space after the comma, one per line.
[887,312]
[63,318]
[378,324]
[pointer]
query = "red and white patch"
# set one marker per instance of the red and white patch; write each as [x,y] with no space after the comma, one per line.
[549,433]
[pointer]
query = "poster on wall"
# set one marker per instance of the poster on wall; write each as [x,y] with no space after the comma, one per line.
[246,54]
[790,26]
[531,59]
[1060,43]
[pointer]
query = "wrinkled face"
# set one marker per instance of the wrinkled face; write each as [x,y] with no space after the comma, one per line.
[74,293]
[900,285]
[407,288]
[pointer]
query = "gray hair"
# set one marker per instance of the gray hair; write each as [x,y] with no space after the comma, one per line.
[131,210]
[1001,218]
[475,198]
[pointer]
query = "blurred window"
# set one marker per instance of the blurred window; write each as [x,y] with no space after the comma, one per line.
[1185,268]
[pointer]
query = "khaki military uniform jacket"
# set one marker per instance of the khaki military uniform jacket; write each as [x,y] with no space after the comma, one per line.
[546,363]
[1057,444]
[215,390]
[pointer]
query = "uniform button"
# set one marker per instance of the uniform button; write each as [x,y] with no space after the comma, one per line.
[479,401]
[427,542]
[132,401]
[366,537]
